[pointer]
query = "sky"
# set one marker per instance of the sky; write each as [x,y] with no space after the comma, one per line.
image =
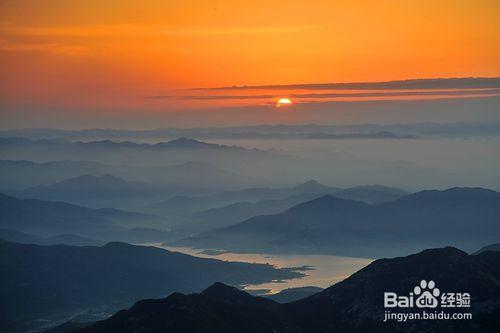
[137,63]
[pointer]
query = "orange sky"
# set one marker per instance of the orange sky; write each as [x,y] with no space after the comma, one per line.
[111,54]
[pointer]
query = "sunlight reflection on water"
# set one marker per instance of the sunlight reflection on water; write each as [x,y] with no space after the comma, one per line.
[327,269]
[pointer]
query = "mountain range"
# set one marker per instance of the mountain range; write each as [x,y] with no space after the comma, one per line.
[98,192]
[180,213]
[465,217]
[233,213]
[54,282]
[262,131]
[177,151]
[353,305]
[187,178]
[372,194]
[192,204]
[52,218]
[181,142]
[280,165]
[66,239]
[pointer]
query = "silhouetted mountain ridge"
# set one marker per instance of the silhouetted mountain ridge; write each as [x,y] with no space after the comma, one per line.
[189,205]
[263,131]
[312,186]
[183,142]
[460,216]
[15,236]
[178,143]
[233,213]
[98,191]
[294,294]
[128,155]
[353,305]
[146,184]
[51,218]
[240,211]
[491,247]
[59,280]
[372,193]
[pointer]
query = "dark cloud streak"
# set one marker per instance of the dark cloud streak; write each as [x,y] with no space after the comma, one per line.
[337,95]
[439,83]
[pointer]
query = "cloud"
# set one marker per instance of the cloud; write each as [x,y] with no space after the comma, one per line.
[439,83]
[327,96]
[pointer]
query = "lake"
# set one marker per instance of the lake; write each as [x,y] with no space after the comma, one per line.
[326,269]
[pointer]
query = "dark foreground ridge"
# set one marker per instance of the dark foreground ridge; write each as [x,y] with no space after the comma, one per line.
[57,281]
[353,305]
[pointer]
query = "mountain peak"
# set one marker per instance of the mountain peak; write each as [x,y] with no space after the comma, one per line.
[118,245]
[372,193]
[447,265]
[443,252]
[221,292]
[184,142]
[219,287]
[352,305]
[311,185]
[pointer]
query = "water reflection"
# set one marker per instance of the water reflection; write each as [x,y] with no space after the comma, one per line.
[325,269]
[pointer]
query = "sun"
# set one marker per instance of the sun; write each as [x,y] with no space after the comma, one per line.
[283,102]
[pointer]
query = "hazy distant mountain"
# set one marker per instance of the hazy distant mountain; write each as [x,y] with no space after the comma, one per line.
[98,192]
[89,181]
[376,135]
[190,143]
[176,143]
[312,186]
[17,175]
[186,178]
[492,247]
[59,281]
[188,205]
[265,131]
[51,218]
[294,294]
[353,305]
[205,176]
[460,216]
[237,212]
[240,211]
[66,239]
[176,151]
[279,166]
[372,193]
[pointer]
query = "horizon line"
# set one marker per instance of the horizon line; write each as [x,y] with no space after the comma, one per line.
[420,123]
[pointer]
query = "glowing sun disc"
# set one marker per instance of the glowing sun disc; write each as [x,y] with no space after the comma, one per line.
[283,101]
